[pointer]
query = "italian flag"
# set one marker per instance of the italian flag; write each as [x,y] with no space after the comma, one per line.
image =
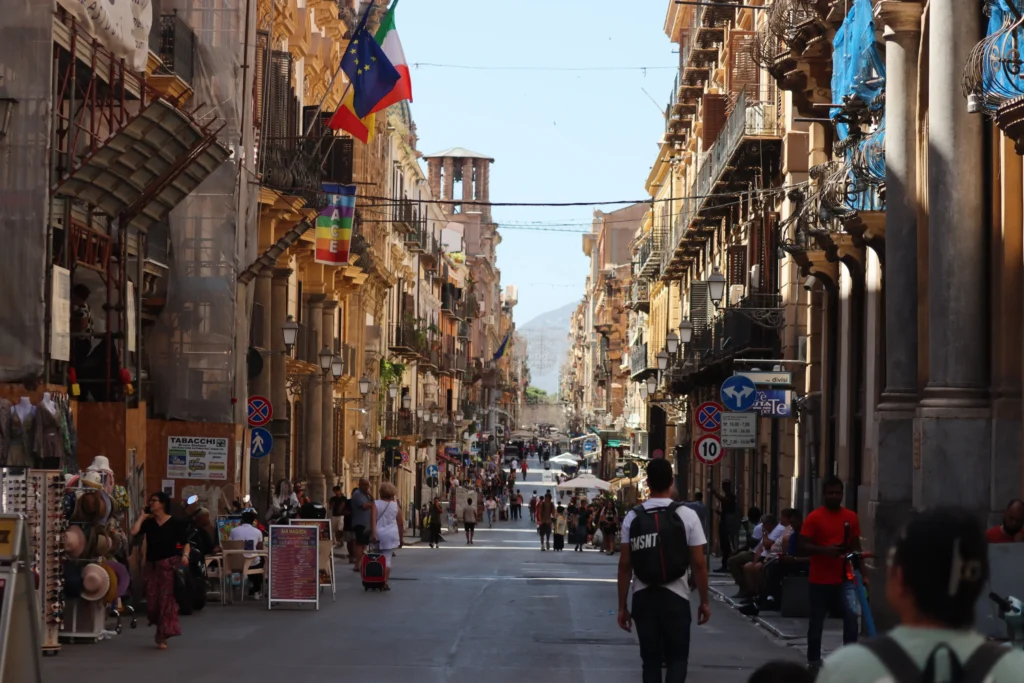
[387,38]
[345,118]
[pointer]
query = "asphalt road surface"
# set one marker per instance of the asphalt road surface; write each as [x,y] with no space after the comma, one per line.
[500,611]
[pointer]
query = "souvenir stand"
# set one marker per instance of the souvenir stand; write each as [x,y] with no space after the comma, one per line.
[36,494]
[325,552]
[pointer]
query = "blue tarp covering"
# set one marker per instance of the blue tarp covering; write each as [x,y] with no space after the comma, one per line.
[995,81]
[858,70]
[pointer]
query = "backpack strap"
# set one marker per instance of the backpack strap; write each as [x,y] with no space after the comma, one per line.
[981,662]
[894,658]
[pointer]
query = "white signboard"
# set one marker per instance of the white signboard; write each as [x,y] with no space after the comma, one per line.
[197,457]
[60,321]
[775,379]
[739,430]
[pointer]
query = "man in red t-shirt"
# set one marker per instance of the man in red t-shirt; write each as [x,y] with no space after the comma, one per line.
[827,535]
[1012,528]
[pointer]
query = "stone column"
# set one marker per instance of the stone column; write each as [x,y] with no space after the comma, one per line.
[449,182]
[434,176]
[327,410]
[467,185]
[259,470]
[280,426]
[953,432]
[483,184]
[891,491]
[312,397]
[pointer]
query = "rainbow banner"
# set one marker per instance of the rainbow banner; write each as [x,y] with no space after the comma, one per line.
[334,225]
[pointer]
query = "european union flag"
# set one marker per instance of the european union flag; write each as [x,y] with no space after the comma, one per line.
[372,74]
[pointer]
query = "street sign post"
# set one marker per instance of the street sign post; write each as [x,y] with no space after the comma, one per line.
[774,403]
[738,393]
[259,411]
[708,449]
[774,379]
[739,430]
[709,416]
[260,443]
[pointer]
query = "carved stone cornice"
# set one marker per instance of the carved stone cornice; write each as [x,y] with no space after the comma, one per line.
[899,16]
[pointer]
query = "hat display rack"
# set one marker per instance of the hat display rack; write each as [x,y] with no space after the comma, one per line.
[96,583]
[37,494]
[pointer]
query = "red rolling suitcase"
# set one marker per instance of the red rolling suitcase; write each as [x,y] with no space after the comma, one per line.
[373,570]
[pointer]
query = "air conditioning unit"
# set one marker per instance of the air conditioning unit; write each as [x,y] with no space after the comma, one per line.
[736,292]
[755,277]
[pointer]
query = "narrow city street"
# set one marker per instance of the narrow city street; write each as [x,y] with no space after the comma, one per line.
[496,612]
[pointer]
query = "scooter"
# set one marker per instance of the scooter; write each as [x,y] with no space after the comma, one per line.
[1011,611]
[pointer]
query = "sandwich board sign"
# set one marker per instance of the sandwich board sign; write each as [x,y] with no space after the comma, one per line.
[293,569]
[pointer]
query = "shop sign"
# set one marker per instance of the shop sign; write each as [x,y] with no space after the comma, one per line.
[60,322]
[774,403]
[292,571]
[197,457]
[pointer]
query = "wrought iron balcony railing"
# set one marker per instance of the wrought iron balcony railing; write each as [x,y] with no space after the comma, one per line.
[174,42]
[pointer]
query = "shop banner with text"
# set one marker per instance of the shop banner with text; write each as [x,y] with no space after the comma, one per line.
[334,225]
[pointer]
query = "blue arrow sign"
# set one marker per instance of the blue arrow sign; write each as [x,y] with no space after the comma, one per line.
[260,442]
[738,393]
[431,470]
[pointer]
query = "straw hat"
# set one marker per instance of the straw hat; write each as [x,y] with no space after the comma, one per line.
[74,541]
[124,577]
[112,590]
[94,507]
[100,464]
[95,582]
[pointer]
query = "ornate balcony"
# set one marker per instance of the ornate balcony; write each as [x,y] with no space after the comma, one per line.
[639,296]
[993,80]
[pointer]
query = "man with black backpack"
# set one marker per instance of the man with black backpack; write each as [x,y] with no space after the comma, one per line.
[662,556]
[937,572]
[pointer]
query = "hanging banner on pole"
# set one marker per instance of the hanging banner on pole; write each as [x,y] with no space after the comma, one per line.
[334,225]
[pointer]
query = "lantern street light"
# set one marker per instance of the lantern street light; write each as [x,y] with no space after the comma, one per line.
[337,367]
[406,401]
[662,360]
[458,417]
[716,287]
[672,343]
[364,385]
[685,331]
[290,331]
[393,390]
[652,384]
[326,357]
[643,390]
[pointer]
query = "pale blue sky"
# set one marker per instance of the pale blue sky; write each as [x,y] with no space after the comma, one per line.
[556,136]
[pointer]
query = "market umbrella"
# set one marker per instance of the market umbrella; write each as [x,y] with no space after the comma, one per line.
[584,481]
[566,459]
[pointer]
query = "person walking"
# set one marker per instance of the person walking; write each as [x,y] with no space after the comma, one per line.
[545,515]
[338,503]
[827,535]
[167,549]
[937,571]
[582,525]
[728,522]
[387,524]
[361,504]
[662,553]
[519,504]
[491,509]
[469,519]
[533,507]
[436,513]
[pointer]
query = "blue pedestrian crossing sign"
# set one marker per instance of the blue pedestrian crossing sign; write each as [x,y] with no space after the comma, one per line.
[431,470]
[260,442]
[739,393]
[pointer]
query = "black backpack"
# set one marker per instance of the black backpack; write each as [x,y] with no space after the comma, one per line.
[903,669]
[658,548]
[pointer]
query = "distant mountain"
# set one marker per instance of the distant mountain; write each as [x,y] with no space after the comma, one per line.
[547,342]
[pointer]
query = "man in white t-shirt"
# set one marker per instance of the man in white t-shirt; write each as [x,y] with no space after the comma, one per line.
[654,606]
[253,539]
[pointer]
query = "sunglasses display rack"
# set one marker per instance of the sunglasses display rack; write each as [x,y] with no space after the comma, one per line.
[37,494]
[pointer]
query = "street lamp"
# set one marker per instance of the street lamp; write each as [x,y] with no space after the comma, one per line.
[337,367]
[685,331]
[662,360]
[290,330]
[393,390]
[458,417]
[652,384]
[364,385]
[643,390]
[407,401]
[716,287]
[672,342]
[326,357]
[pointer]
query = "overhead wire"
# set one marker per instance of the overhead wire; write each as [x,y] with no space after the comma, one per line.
[480,67]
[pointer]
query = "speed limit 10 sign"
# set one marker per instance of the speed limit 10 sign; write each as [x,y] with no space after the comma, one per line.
[708,449]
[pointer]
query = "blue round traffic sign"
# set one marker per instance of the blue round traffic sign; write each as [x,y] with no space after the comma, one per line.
[260,443]
[739,393]
[431,470]
[709,416]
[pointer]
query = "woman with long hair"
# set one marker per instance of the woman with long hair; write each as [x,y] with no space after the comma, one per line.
[436,512]
[166,550]
[387,525]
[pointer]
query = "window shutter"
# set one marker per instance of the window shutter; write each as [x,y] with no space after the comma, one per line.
[280,98]
[699,304]
[744,74]
[715,107]
[259,85]
[738,265]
